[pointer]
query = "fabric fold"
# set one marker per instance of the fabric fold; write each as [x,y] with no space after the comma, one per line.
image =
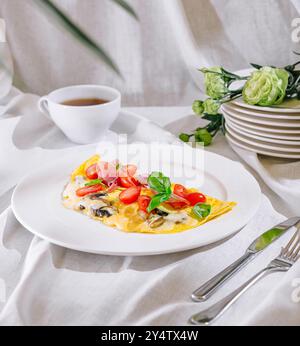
[282,177]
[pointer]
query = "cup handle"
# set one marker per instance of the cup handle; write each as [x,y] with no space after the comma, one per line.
[43,107]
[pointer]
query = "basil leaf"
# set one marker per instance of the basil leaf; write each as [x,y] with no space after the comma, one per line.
[202,210]
[157,200]
[161,184]
[158,182]
[94,182]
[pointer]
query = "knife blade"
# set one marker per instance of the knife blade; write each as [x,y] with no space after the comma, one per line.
[259,244]
[267,238]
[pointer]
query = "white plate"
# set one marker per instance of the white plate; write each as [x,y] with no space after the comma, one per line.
[264,144]
[36,203]
[260,114]
[261,127]
[261,137]
[263,121]
[258,150]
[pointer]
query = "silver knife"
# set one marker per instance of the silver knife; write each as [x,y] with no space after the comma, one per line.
[261,243]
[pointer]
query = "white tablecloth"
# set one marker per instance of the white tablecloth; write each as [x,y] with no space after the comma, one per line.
[43,284]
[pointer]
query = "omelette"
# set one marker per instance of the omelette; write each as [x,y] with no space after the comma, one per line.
[117,196]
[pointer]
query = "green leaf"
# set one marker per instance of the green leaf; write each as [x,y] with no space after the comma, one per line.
[66,23]
[229,75]
[257,67]
[126,7]
[160,183]
[157,200]
[202,210]
[212,117]
[94,182]
[214,125]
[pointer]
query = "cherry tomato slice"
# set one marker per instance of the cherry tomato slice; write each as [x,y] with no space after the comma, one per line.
[88,190]
[128,182]
[130,195]
[144,202]
[180,191]
[91,172]
[195,198]
[178,205]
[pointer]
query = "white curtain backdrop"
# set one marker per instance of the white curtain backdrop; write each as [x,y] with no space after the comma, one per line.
[156,54]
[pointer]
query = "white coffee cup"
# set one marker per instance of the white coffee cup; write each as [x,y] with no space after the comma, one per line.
[82,124]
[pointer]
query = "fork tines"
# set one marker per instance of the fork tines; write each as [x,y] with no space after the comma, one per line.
[292,250]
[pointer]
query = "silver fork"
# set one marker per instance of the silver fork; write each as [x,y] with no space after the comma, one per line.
[288,257]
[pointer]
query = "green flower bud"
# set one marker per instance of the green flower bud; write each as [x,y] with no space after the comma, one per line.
[266,87]
[203,136]
[215,83]
[211,106]
[198,107]
[184,137]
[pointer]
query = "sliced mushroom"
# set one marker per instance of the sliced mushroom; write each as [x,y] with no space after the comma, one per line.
[105,211]
[156,222]
[97,196]
[82,205]
[99,204]
[161,212]
[143,215]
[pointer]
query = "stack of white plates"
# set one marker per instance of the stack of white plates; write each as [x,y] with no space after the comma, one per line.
[269,131]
